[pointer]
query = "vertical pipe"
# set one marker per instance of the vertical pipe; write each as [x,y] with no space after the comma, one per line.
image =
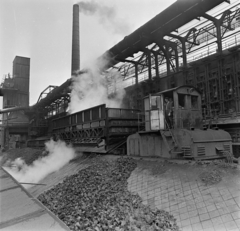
[75,40]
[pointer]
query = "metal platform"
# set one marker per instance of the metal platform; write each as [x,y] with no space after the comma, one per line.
[19,211]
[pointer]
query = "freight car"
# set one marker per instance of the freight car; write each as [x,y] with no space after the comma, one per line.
[181,136]
[98,129]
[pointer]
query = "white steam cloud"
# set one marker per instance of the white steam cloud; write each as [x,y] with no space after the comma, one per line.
[107,16]
[93,88]
[59,155]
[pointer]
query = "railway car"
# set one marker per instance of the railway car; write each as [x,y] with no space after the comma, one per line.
[183,135]
[98,129]
[38,142]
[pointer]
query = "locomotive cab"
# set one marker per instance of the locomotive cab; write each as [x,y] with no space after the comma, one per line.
[174,129]
[184,112]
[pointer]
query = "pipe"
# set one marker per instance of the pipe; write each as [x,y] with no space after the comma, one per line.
[11,109]
[172,18]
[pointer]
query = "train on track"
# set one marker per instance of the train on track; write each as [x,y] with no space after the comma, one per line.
[144,133]
[97,129]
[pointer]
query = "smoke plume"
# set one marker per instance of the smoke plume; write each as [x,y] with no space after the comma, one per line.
[93,88]
[107,16]
[59,155]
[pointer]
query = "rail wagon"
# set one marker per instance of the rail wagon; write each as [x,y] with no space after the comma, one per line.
[98,129]
[188,137]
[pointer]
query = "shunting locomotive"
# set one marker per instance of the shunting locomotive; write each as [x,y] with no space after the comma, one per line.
[179,132]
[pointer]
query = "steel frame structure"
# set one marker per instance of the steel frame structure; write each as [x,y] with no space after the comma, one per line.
[142,40]
[171,53]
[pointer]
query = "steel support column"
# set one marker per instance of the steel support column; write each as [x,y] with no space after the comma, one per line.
[167,56]
[136,73]
[183,41]
[156,62]
[149,64]
[135,63]
[218,23]
[176,58]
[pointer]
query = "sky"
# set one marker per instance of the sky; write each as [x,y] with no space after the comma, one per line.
[42,31]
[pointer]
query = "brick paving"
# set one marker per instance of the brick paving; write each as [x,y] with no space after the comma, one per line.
[195,206]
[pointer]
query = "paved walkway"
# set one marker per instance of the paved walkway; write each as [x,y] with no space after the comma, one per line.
[195,206]
[20,212]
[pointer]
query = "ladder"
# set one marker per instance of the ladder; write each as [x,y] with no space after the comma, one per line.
[162,132]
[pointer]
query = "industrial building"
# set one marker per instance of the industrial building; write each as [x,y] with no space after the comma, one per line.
[174,48]
[15,92]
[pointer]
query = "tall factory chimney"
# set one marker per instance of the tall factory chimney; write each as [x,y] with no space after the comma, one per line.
[75,40]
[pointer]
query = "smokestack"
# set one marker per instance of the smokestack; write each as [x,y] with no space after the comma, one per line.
[75,40]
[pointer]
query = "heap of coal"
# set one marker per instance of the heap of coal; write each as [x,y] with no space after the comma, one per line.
[97,199]
[29,155]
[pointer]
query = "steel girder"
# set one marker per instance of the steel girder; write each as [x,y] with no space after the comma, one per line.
[172,18]
[184,44]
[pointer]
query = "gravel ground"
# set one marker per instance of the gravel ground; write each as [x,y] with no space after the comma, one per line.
[97,198]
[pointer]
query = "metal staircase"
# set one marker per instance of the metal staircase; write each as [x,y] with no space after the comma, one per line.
[172,148]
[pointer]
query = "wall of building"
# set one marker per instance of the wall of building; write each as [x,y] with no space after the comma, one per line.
[15,92]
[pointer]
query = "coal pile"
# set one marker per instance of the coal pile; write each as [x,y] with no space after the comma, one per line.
[29,155]
[97,199]
[211,177]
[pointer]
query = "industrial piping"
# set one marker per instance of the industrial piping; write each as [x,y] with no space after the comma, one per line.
[172,18]
[12,109]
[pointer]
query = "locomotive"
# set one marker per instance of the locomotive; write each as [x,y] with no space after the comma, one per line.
[187,137]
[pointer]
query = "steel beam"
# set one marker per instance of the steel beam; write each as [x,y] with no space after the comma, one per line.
[175,16]
[183,41]
[218,23]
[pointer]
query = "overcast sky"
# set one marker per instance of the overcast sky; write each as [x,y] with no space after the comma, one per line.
[42,31]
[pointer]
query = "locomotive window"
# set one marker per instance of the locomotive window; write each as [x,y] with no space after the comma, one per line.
[181,101]
[155,103]
[194,101]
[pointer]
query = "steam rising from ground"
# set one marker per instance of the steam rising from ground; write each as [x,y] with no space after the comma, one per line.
[107,16]
[59,155]
[93,88]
